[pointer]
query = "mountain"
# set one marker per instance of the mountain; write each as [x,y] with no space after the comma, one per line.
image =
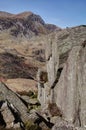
[25,24]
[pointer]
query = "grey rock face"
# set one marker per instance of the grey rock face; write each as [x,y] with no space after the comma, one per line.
[66,68]
[52,56]
[69,89]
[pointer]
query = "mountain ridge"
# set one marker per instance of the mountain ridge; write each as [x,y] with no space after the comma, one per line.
[27,24]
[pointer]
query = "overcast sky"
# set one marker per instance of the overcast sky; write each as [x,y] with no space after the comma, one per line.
[63,13]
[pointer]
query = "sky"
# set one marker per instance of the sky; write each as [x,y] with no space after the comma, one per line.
[63,13]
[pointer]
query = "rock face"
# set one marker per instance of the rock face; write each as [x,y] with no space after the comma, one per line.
[71,86]
[66,70]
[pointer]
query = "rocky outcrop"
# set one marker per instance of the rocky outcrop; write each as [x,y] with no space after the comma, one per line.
[12,106]
[71,86]
[66,70]
[17,111]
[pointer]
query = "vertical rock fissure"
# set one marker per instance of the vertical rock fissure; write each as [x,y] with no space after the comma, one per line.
[79,109]
[57,77]
[2,121]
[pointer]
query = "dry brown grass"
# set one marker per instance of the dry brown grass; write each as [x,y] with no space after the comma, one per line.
[21,85]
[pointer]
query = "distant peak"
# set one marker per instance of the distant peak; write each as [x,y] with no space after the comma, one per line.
[20,15]
[23,14]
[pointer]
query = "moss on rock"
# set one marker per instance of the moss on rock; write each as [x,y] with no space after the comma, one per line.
[31,126]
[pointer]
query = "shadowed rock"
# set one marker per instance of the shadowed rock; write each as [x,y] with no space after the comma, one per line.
[42,119]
